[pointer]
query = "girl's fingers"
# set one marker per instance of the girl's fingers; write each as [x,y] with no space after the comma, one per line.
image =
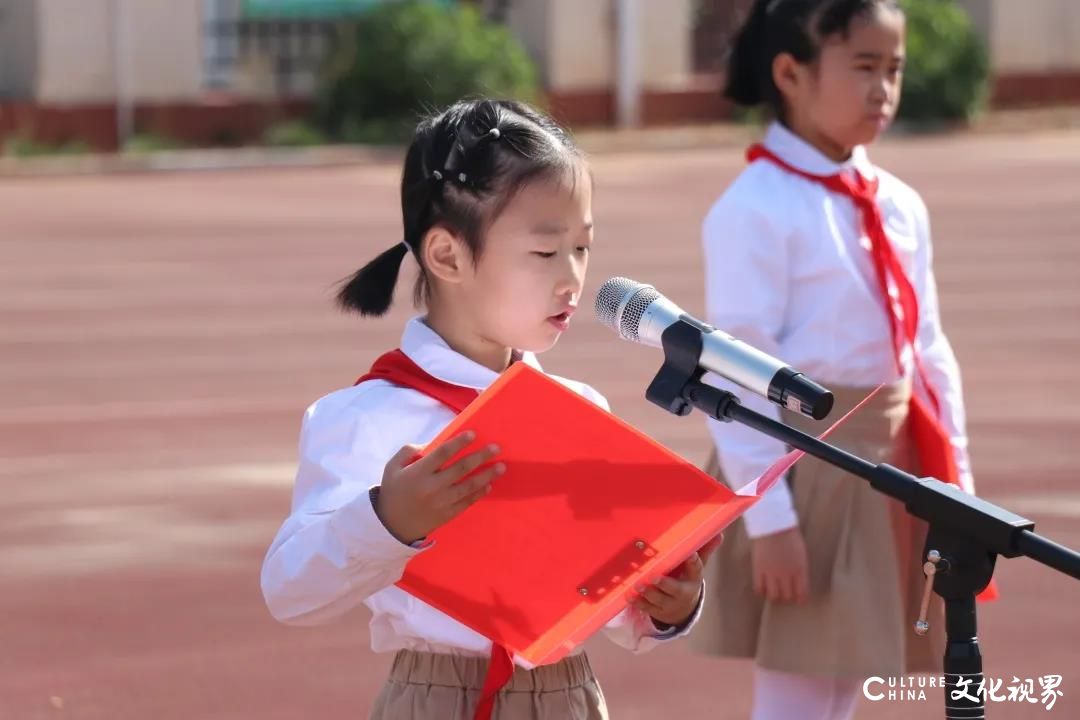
[471,489]
[648,608]
[709,548]
[693,569]
[467,464]
[656,596]
[802,588]
[442,454]
[684,593]
[668,585]
[678,589]
[650,600]
[402,457]
[778,588]
[795,586]
[772,588]
[787,588]
[463,504]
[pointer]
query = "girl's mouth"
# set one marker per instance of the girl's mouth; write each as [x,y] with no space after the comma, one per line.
[562,320]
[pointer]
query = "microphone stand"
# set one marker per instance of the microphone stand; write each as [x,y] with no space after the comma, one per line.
[966,534]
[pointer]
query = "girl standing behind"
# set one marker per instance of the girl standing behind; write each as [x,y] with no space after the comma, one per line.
[816,256]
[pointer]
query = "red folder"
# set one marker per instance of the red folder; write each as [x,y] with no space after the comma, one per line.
[588,508]
[937,458]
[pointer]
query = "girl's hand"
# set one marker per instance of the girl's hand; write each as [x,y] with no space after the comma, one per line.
[780,566]
[417,498]
[671,600]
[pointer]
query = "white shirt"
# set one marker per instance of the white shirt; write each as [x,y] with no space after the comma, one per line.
[333,553]
[788,270]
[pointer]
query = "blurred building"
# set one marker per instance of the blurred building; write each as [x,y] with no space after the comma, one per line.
[1034,49]
[217,71]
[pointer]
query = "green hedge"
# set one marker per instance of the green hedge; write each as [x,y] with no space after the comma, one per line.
[407,58]
[948,69]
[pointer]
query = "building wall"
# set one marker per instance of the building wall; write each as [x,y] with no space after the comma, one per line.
[1034,49]
[166,49]
[1036,35]
[18,48]
[530,21]
[574,41]
[75,62]
[981,14]
[668,42]
[77,45]
[581,50]
[58,56]
[1029,36]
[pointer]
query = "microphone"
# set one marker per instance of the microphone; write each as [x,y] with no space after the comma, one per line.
[637,312]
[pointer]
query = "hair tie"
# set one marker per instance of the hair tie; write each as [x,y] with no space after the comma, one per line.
[464,143]
[456,157]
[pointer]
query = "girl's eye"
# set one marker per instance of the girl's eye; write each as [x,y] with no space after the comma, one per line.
[583,249]
[544,254]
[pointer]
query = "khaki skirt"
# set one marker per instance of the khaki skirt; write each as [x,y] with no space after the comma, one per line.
[865,568]
[426,686]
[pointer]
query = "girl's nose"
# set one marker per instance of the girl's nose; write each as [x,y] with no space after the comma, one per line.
[879,91]
[572,278]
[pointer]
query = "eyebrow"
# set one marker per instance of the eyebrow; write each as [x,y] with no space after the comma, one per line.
[876,56]
[555,229]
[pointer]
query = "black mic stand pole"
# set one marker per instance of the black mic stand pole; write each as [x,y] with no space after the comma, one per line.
[966,534]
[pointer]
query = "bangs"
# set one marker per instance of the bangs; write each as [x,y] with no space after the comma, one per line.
[561,170]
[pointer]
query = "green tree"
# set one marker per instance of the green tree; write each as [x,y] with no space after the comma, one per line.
[948,69]
[405,58]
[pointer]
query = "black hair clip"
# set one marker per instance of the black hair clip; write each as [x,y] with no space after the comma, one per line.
[463,145]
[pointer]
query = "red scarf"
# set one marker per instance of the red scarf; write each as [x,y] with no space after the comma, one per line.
[397,368]
[932,442]
[901,304]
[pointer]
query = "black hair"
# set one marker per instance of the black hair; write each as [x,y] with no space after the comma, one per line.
[796,27]
[462,168]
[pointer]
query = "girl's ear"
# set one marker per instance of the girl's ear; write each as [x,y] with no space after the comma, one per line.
[790,77]
[446,256]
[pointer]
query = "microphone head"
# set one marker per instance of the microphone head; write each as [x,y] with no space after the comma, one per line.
[620,304]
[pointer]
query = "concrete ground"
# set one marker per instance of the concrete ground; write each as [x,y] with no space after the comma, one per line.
[162,335]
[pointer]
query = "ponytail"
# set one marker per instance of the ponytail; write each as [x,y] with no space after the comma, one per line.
[745,79]
[370,291]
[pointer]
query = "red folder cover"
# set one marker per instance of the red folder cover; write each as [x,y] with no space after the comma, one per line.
[935,451]
[588,508]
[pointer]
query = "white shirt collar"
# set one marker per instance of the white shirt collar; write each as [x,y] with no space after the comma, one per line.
[801,154]
[426,348]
